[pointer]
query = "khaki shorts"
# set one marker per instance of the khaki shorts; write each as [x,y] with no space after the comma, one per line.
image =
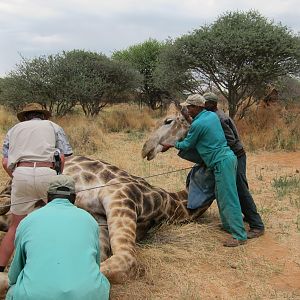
[29,184]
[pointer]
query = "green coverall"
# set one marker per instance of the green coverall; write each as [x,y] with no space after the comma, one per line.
[207,137]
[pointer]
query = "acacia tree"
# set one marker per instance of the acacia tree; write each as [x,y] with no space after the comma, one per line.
[144,58]
[42,79]
[61,81]
[95,80]
[238,53]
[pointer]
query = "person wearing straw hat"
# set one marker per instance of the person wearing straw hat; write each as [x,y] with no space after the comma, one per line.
[248,206]
[57,251]
[28,158]
[207,137]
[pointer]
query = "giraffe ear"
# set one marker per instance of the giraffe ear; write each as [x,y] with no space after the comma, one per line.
[174,108]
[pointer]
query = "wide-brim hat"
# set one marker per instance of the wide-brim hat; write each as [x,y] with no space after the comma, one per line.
[195,99]
[33,107]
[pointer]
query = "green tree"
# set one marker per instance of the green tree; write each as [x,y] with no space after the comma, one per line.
[61,81]
[95,80]
[238,54]
[144,58]
[43,79]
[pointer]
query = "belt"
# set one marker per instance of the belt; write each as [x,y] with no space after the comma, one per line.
[45,164]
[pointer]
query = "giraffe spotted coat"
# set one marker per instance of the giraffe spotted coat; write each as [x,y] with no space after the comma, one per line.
[125,207]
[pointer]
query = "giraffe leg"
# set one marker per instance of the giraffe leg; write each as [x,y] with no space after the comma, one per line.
[122,264]
[105,250]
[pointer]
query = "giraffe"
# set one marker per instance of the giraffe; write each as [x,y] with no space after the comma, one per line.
[125,207]
[173,128]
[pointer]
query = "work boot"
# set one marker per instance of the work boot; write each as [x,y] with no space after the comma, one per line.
[232,242]
[255,233]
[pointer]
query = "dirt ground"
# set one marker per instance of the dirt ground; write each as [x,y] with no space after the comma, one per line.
[189,261]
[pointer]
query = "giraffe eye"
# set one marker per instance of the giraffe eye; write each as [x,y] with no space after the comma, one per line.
[168,121]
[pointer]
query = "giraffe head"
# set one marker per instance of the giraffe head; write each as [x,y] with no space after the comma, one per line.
[168,131]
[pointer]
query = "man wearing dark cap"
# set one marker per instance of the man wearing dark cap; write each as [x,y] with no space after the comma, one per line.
[207,138]
[28,158]
[248,206]
[57,251]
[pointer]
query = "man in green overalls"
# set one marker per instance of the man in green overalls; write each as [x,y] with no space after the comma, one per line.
[207,137]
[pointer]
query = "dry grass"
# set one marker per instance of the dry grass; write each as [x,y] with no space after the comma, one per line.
[271,128]
[189,261]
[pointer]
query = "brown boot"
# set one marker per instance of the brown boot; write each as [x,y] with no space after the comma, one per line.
[232,242]
[255,233]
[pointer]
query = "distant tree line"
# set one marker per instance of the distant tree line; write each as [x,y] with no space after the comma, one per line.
[236,56]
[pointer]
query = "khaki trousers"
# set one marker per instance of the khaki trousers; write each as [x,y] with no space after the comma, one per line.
[28,184]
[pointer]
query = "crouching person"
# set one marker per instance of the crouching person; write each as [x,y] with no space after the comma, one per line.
[57,251]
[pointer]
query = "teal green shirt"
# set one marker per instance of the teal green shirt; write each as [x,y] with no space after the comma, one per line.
[207,137]
[57,255]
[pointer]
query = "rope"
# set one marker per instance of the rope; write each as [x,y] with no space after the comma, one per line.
[101,186]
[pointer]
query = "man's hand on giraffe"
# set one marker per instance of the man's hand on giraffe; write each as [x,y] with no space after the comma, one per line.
[166,147]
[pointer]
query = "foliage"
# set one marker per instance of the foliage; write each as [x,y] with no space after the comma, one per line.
[96,80]
[61,81]
[289,88]
[144,58]
[271,128]
[238,53]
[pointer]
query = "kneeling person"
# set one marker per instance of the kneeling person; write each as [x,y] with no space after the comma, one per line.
[57,252]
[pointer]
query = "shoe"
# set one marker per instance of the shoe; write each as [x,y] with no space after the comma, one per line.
[255,233]
[232,242]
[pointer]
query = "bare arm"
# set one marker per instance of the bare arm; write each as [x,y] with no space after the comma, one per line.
[5,167]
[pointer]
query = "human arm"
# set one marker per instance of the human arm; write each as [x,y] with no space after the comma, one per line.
[98,256]
[19,259]
[229,133]
[166,147]
[5,167]
[191,139]
[62,142]
[5,156]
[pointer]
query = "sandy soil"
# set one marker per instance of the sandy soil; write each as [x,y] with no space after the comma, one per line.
[189,261]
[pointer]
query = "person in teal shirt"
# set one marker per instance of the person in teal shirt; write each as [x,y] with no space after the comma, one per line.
[207,137]
[57,252]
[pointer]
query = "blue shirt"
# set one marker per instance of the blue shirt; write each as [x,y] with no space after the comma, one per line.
[207,137]
[57,255]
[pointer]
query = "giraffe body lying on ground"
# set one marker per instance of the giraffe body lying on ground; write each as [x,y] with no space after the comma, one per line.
[126,207]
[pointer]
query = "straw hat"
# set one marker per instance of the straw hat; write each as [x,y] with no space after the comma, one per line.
[33,107]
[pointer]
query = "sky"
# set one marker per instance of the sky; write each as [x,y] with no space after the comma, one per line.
[31,28]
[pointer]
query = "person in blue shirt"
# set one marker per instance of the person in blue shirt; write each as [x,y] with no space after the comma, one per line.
[57,252]
[206,136]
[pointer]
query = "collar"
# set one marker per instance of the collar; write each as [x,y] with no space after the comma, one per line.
[63,201]
[200,113]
